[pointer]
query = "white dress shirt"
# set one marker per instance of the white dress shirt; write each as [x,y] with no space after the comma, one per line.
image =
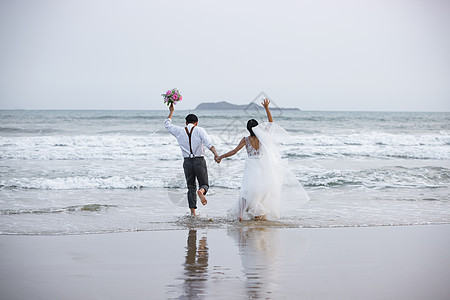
[198,139]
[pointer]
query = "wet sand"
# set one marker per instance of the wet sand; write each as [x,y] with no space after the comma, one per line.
[240,262]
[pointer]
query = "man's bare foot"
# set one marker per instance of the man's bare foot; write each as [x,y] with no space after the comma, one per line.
[202,196]
[192,212]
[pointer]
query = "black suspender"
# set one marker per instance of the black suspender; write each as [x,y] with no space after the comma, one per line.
[190,135]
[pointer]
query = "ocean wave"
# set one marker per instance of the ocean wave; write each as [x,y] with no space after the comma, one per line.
[102,147]
[171,181]
[53,210]
[114,137]
[372,139]
[159,146]
[81,182]
[372,178]
[34,131]
[117,117]
[435,154]
[383,178]
[372,151]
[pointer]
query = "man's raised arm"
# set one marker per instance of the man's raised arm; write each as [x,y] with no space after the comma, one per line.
[171,109]
[168,123]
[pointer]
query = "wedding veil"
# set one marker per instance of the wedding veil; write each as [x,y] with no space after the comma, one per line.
[284,191]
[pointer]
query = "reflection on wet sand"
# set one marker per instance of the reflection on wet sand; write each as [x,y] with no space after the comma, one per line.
[257,279]
[258,251]
[195,266]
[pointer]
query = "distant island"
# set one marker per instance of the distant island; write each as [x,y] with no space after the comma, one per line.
[223,105]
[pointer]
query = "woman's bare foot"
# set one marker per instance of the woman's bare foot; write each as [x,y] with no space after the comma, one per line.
[200,193]
[260,218]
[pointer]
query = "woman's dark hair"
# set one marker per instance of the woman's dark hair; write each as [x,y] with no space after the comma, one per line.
[191,118]
[250,124]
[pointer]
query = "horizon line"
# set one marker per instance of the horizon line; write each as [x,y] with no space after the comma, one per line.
[192,109]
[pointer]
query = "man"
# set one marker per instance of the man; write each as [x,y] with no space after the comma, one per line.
[191,140]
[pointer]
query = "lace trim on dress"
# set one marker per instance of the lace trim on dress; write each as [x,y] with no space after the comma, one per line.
[250,150]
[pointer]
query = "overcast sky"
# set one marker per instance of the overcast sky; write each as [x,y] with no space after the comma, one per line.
[384,55]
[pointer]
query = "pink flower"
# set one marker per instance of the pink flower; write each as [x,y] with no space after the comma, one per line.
[172,96]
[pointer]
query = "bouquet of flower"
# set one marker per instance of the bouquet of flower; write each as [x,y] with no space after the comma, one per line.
[172,96]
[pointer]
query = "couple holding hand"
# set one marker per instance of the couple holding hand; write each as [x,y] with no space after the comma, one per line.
[264,173]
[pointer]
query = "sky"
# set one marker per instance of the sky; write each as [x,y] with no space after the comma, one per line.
[377,55]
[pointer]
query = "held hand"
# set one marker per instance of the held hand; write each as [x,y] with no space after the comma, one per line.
[265,103]
[217,158]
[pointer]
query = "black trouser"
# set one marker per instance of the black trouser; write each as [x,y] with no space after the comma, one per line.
[195,168]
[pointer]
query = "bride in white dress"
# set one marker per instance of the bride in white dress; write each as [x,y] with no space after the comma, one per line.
[264,173]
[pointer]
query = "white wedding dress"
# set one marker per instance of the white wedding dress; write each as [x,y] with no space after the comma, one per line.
[266,181]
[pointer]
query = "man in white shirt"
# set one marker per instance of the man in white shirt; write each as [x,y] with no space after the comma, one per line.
[191,140]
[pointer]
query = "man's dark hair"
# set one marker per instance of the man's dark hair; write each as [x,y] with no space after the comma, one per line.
[191,118]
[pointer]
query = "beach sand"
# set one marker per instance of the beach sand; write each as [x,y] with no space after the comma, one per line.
[240,262]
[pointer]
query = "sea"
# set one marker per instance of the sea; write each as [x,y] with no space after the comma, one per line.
[66,172]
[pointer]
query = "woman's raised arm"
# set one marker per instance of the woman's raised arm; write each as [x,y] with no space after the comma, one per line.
[265,103]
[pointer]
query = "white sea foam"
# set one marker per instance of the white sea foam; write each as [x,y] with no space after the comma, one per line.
[230,178]
[84,182]
[164,147]
[113,147]
[372,138]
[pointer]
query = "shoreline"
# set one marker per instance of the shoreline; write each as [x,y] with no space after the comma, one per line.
[205,224]
[239,262]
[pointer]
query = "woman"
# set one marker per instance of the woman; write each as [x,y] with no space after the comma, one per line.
[264,172]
